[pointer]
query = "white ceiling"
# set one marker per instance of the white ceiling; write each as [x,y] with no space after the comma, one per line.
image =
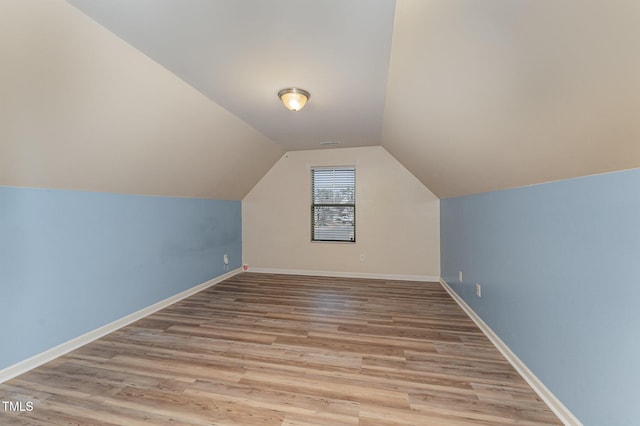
[469,95]
[240,53]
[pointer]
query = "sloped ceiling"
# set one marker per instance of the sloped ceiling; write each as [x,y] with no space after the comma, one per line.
[241,53]
[485,95]
[469,95]
[80,109]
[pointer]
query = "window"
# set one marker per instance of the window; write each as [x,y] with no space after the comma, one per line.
[333,204]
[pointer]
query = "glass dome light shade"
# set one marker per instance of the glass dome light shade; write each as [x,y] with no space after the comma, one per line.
[294,99]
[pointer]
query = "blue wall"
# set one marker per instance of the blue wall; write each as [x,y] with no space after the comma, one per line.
[559,265]
[73,261]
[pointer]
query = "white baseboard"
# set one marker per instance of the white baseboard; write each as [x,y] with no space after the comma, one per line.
[70,345]
[545,394]
[401,277]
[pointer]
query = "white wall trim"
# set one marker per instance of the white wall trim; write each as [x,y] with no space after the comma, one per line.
[372,276]
[70,345]
[545,394]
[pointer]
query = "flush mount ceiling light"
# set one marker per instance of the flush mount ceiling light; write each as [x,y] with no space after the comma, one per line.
[294,99]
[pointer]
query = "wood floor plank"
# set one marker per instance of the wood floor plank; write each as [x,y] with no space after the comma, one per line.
[286,350]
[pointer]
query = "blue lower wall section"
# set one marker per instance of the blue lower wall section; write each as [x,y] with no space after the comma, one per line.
[559,265]
[73,261]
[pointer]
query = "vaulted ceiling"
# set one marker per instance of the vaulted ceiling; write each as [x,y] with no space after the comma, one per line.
[470,96]
[492,94]
[241,53]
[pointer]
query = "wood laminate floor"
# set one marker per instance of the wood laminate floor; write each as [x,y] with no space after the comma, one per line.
[286,350]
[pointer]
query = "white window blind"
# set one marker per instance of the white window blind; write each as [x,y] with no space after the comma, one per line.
[333,204]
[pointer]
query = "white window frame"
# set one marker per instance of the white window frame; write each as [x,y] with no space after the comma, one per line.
[339,226]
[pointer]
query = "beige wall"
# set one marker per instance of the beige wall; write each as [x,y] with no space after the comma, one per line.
[81,109]
[397,223]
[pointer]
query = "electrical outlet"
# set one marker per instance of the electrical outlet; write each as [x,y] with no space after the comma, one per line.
[225,259]
[362,258]
[460,276]
[478,290]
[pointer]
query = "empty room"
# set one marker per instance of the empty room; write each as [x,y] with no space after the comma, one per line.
[331,212]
